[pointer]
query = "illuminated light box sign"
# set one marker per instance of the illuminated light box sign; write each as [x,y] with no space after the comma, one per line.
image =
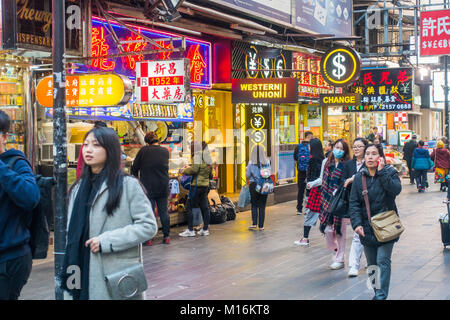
[163,81]
[283,90]
[90,90]
[183,112]
[348,99]
[197,51]
[434,32]
[383,90]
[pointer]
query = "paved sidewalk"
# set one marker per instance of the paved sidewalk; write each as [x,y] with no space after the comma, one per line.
[234,263]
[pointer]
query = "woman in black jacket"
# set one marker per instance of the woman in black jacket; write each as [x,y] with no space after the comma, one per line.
[383,185]
[312,173]
[351,168]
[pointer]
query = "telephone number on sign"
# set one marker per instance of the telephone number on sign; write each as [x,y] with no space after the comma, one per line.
[394,107]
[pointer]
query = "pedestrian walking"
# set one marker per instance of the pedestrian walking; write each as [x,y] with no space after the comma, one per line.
[312,190]
[334,227]
[151,165]
[200,170]
[441,158]
[375,135]
[19,195]
[351,168]
[421,163]
[258,166]
[383,185]
[408,151]
[109,216]
[80,162]
[301,157]
[328,148]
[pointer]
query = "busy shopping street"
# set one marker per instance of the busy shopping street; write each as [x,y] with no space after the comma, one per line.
[234,263]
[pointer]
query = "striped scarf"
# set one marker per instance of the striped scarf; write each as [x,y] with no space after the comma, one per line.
[332,178]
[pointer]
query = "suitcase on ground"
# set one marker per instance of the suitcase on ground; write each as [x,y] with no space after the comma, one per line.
[445,229]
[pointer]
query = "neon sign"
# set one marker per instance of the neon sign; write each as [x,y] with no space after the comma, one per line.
[199,52]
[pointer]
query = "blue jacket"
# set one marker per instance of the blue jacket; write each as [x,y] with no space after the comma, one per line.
[19,195]
[421,159]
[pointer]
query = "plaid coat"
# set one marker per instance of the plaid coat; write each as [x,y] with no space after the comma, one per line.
[314,198]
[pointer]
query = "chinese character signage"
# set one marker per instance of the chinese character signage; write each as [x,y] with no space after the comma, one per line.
[258,121]
[340,66]
[163,81]
[198,52]
[283,90]
[324,16]
[310,82]
[434,32]
[384,90]
[89,90]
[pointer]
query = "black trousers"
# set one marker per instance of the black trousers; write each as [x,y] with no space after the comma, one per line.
[198,200]
[301,189]
[14,275]
[421,178]
[163,213]
[258,202]
[411,173]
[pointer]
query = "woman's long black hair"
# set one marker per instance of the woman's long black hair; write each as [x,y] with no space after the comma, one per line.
[316,149]
[114,175]
[364,141]
[330,161]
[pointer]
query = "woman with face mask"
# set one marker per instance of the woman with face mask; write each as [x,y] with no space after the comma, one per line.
[331,178]
[383,186]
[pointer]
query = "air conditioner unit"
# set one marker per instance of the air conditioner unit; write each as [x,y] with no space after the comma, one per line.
[46,152]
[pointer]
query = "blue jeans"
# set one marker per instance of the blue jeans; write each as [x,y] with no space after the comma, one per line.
[380,258]
[258,206]
[421,178]
[163,213]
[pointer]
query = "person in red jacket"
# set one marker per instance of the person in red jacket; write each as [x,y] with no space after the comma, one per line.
[441,158]
[80,163]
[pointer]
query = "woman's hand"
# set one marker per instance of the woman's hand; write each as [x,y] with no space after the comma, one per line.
[381,164]
[359,230]
[94,244]
[308,186]
[348,181]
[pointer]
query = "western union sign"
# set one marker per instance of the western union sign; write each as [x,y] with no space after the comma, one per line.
[340,99]
[281,90]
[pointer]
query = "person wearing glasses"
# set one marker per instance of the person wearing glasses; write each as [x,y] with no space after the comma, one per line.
[351,168]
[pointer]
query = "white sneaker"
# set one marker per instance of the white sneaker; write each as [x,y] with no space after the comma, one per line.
[353,272]
[303,242]
[203,233]
[337,265]
[299,213]
[187,233]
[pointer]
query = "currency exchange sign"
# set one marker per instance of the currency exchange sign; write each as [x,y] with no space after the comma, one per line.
[163,81]
[340,66]
[435,32]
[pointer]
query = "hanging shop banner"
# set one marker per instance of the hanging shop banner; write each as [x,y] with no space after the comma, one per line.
[258,121]
[252,61]
[343,99]
[384,90]
[340,66]
[197,51]
[34,25]
[88,90]
[163,81]
[279,10]
[435,32]
[283,90]
[8,24]
[310,81]
[324,16]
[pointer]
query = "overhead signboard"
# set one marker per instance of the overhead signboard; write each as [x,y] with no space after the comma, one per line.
[283,90]
[183,112]
[384,90]
[325,16]
[197,51]
[438,86]
[164,81]
[279,10]
[347,99]
[340,66]
[310,81]
[88,90]
[434,32]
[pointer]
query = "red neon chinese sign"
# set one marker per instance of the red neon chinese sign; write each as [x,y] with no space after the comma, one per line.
[100,48]
[198,64]
[130,61]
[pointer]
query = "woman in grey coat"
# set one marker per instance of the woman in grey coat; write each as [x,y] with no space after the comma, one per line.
[109,216]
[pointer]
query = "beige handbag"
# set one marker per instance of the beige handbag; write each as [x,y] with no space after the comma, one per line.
[386,225]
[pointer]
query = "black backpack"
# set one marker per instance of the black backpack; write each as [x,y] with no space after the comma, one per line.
[39,230]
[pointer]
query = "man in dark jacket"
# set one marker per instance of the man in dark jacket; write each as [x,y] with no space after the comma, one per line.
[152,166]
[408,151]
[19,195]
[301,179]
